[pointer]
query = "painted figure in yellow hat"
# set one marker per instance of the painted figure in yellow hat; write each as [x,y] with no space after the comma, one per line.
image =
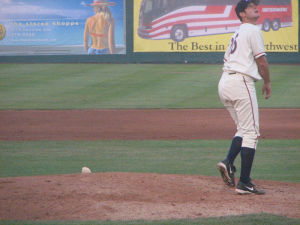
[100,28]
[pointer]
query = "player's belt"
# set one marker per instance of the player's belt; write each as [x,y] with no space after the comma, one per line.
[232,73]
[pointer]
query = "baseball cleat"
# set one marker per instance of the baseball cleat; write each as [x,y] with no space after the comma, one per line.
[248,188]
[227,171]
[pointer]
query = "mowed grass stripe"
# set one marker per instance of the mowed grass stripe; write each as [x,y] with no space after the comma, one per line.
[274,160]
[84,86]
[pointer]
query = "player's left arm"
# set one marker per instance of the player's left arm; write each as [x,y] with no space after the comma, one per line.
[263,69]
[258,47]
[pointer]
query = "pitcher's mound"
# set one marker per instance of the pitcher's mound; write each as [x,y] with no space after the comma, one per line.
[132,196]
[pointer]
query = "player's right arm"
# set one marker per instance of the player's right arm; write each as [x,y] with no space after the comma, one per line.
[258,48]
[263,69]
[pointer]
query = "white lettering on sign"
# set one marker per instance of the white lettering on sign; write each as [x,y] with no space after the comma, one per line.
[274,10]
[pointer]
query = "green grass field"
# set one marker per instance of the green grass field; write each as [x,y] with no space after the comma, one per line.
[82,86]
[275,160]
[99,86]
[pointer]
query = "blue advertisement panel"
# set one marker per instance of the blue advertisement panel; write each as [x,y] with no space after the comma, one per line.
[64,27]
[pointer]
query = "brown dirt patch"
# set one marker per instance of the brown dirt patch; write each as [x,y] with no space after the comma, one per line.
[181,124]
[131,196]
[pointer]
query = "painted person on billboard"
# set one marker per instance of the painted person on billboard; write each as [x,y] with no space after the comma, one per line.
[100,28]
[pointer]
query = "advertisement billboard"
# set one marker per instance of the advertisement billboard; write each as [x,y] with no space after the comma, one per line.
[51,27]
[207,25]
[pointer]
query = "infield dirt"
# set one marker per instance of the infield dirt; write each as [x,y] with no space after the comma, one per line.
[163,124]
[131,196]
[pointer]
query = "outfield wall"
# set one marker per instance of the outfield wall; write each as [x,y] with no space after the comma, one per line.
[132,56]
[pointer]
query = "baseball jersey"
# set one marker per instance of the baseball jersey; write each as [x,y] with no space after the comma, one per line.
[246,45]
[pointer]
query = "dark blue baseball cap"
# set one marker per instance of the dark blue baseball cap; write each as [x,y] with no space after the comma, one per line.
[242,5]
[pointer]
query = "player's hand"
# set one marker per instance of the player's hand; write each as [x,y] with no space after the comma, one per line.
[266,88]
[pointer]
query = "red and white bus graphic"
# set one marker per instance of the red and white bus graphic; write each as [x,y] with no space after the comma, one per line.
[180,19]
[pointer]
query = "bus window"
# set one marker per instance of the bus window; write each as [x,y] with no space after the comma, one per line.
[153,9]
[147,7]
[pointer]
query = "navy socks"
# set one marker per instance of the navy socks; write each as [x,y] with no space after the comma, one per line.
[247,157]
[235,149]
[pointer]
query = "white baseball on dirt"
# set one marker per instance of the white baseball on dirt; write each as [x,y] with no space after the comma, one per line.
[85,170]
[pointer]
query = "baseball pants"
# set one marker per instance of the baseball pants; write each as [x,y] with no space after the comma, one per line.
[237,93]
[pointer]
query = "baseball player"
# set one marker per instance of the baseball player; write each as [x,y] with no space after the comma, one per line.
[244,63]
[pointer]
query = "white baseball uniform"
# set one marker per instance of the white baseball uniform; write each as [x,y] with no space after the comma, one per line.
[237,84]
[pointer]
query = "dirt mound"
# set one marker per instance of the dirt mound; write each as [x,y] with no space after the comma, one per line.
[131,196]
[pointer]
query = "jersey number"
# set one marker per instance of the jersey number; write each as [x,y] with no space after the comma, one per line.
[233,44]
